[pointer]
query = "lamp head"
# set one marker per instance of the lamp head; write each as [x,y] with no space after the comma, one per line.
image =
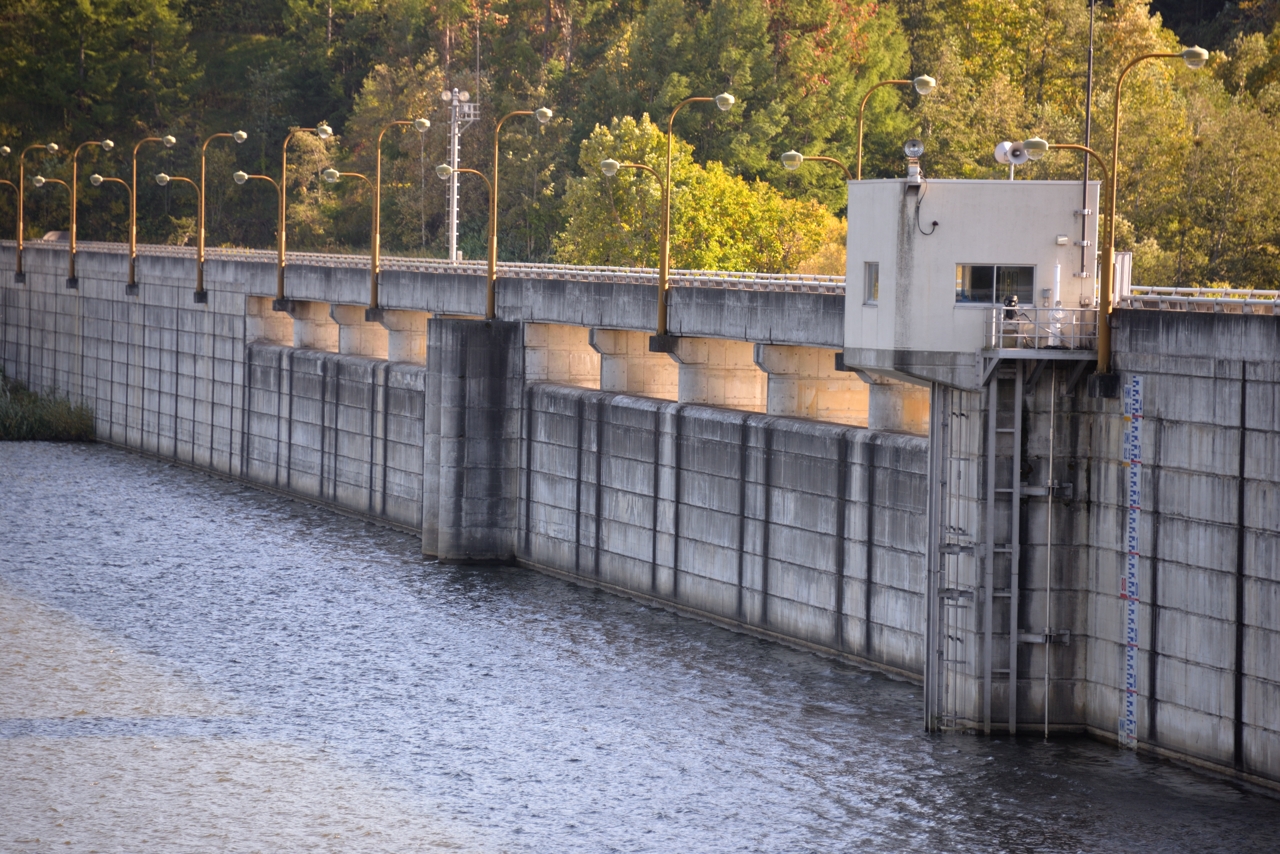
[107,145]
[240,177]
[52,148]
[463,95]
[421,125]
[1195,57]
[725,101]
[913,149]
[163,179]
[444,170]
[169,141]
[4,150]
[95,179]
[1035,148]
[792,160]
[38,180]
[924,84]
[543,115]
[610,167]
[239,136]
[331,175]
[324,131]
[446,96]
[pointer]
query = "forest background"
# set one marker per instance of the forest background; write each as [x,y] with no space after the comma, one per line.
[1198,180]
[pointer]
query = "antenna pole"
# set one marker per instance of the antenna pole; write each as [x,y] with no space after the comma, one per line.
[455,130]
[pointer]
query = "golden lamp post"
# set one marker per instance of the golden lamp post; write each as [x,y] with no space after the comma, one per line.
[18,275]
[924,84]
[793,159]
[1194,57]
[168,141]
[323,131]
[444,171]
[610,168]
[333,176]
[97,181]
[543,115]
[375,249]
[72,280]
[239,136]
[242,178]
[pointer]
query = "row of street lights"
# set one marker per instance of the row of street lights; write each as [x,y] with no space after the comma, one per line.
[1036,148]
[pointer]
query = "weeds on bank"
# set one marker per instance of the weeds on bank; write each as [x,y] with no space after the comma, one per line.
[30,416]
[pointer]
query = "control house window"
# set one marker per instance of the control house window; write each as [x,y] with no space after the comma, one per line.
[990,284]
[871,282]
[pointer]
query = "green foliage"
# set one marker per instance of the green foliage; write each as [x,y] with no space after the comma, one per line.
[26,416]
[718,221]
[1194,180]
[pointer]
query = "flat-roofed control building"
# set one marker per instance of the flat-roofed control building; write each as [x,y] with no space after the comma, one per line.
[930,263]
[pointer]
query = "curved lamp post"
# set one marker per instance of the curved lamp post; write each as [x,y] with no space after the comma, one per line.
[1194,57]
[444,171]
[41,181]
[323,131]
[924,84]
[132,286]
[332,176]
[610,167]
[243,177]
[239,136]
[18,275]
[490,306]
[793,159]
[375,248]
[97,181]
[106,145]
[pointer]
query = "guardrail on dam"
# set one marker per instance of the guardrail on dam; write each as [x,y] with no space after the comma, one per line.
[553,437]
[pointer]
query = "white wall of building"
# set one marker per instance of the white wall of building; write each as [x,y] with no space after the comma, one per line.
[1023,223]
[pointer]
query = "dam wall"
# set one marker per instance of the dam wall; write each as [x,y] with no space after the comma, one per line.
[495,441]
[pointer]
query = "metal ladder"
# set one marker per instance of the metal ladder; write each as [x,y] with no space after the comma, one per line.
[1002,537]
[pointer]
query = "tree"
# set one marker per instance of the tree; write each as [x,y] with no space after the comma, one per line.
[718,222]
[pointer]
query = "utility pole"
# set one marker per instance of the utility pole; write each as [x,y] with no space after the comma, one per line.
[461,114]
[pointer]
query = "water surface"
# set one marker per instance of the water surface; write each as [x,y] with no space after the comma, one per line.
[346,680]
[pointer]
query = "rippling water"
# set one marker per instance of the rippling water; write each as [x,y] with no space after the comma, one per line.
[345,682]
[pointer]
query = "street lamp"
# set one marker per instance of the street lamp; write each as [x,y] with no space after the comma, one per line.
[332,176]
[97,181]
[243,177]
[239,136]
[40,181]
[323,131]
[72,280]
[375,249]
[52,148]
[132,286]
[1194,57]
[543,115]
[793,159]
[444,171]
[924,84]
[610,167]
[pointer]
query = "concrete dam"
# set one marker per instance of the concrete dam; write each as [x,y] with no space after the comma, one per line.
[1035,557]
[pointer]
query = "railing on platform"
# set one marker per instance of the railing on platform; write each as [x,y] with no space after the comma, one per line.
[788,282]
[1219,300]
[1033,328]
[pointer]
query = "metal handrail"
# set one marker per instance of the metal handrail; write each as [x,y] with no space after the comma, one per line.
[788,282]
[1036,328]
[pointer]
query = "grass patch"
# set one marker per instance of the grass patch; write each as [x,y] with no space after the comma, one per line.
[27,416]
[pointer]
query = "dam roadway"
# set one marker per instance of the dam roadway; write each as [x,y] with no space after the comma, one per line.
[303,680]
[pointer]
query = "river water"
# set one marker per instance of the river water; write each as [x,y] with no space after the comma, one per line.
[189,664]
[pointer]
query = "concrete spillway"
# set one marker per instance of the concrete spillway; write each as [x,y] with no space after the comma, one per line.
[495,441]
